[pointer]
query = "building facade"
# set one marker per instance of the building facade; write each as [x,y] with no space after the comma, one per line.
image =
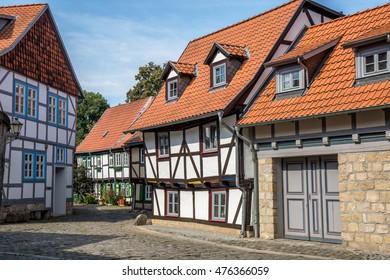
[39,87]
[114,160]
[321,131]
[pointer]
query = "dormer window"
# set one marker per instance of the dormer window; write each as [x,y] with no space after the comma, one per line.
[172,90]
[373,61]
[219,72]
[290,79]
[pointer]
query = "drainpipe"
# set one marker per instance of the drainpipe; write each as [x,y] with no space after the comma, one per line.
[255,180]
[243,190]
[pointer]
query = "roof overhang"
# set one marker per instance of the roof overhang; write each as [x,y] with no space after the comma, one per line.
[367,41]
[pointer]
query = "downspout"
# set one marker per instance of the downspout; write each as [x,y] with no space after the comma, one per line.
[306,71]
[243,190]
[255,181]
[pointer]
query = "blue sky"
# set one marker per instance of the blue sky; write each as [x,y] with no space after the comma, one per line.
[108,40]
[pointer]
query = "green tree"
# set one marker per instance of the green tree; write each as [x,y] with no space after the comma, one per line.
[82,185]
[148,82]
[89,111]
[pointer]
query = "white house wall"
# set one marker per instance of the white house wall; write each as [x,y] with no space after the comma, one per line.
[202,198]
[234,201]
[186,204]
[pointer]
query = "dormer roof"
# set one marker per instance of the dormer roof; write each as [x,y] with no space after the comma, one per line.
[378,34]
[227,50]
[180,68]
[334,89]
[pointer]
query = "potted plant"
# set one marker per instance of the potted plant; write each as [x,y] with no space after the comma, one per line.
[121,201]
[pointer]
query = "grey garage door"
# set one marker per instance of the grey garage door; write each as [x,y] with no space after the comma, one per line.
[311,199]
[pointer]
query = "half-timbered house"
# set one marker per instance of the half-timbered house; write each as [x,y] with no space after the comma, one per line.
[321,129]
[192,152]
[39,87]
[115,160]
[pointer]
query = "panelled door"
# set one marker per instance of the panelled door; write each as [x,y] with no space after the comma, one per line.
[311,199]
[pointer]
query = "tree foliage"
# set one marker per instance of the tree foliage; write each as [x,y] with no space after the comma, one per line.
[82,185]
[89,111]
[148,82]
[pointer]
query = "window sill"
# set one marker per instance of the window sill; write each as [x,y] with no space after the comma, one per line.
[218,87]
[289,94]
[210,152]
[217,221]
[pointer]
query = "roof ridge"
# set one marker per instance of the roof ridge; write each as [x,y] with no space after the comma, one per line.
[23,5]
[128,103]
[245,20]
[349,16]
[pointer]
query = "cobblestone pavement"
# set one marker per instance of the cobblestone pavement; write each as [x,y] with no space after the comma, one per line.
[103,232]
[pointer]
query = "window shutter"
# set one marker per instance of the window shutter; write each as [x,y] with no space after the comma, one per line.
[142,193]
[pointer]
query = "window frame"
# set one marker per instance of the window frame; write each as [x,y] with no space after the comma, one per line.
[362,54]
[34,166]
[148,193]
[26,102]
[125,159]
[216,217]
[142,156]
[174,202]
[211,149]
[166,147]
[111,160]
[57,160]
[169,83]
[98,163]
[224,74]
[57,110]
[290,70]
[118,159]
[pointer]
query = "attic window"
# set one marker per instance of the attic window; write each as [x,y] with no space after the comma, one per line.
[290,79]
[219,72]
[374,61]
[172,90]
[105,133]
[5,20]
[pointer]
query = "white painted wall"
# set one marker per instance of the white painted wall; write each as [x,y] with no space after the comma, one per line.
[210,166]
[234,200]
[218,57]
[192,138]
[176,139]
[186,204]
[202,205]
[161,202]
[164,169]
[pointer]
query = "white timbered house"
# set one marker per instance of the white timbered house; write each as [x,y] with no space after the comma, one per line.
[193,155]
[39,87]
[321,129]
[115,160]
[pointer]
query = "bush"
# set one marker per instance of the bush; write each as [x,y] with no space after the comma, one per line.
[89,199]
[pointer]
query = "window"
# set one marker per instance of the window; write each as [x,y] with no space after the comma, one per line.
[148,192]
[173,203]
[118,159]
[172,90]
[111,160]
[125,159]
[58,110]
[219,74]
[163,144]
[89,163]
[290,79]
[142,156]
[60,155]
[219,206]
[34,165]
[374,61]
[98,163]
[210,138]
[26,100]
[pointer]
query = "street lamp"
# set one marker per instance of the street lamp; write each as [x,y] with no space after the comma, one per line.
[15,128]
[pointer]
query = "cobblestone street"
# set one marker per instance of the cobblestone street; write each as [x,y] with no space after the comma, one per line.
[102,232]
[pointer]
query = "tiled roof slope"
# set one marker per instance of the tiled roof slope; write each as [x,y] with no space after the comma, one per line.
[30,38]
[108,131]
[258,33]
[333,88]
[185,68]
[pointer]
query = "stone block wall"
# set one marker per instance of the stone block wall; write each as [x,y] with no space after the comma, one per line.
[269,171]
[364,182]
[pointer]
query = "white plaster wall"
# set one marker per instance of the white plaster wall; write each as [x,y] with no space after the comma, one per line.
[176,139]
[210,166]
[180,169]
[41,131]
[32,82]
[104,159]
[161,202]
[310,126]
[17,143]
[263,131]
[191,174]
[231,168]
[20,77]
[6,102]
[40,147]
[61,136]
[16,167]
[48,198]
[5,175]
[370,119]
[339,122]
[7,84]
[72,100]
[42,94]
[150,142]
[126,172]
[135,154]
[105,172]
[226,136]
[164,170]
[49,154]
[14,193]
[149,170]
[218,57]
[69,176]
[28,190]
[69,156]
[172,74]
[186,204]
[301,21]
[52,133]
[31,129]
[234,200]
[316,17]
[192,138]
[28,145]
[49,176]
[284,129]
[39,190]
[202,205]
[71,121]
[68,193]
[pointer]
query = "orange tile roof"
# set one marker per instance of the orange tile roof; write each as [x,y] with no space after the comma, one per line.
[332,90]
[258,33]
[377,32]
[108,132]
[235,50]
[184,68]
[24,16]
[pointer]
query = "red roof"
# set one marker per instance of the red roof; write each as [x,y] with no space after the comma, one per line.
[108,132]
[258,34]
[333,89]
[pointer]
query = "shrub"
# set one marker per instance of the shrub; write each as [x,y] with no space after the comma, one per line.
[89,199]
